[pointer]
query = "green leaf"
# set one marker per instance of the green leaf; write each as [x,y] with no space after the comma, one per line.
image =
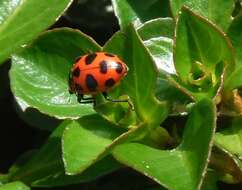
[161,51]
[21,161]
[231,138]
[218,11]
[183,167]
[90,139]
[36,119]
[46,162]
[120,114]
[177,99]
[140,89]
[234,32]
[157,36]
[156,28]
[201,54]
[210,181]
[39,74]
[21,21]
[46,169]
[14,186]
[3,179]
[226,164]
[235,35]
[139,11]
[234,80]
[99,169]
[84,141]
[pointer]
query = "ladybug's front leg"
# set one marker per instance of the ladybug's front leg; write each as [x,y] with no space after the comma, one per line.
[83,100]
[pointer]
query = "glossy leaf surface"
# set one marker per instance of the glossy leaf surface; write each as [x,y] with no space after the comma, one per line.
[201,53]
[183,167]
[139,11]
[14,186]
[140,89]
[21,21]
[39,74]
[84,142]
[234,32]
[218,11]
[45,167]
[157,36]
[231,138]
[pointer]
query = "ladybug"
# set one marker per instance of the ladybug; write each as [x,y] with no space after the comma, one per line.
[96,73]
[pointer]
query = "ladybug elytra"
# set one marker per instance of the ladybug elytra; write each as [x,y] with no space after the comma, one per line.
[96,73]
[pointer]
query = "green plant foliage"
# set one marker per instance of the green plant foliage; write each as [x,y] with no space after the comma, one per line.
[234,80]
[16,27]
[45,168]
[14,186]
[90,139]
[157,36]
[101,168]
[156,28]
[37,119]
[129,46]
[39,74]
[183,167]
[139,11]
[120,114]
[85,141]
[228,166]
[210,181]
[201,53]
[234,32]
[183,82]
[231,138]
[217,11]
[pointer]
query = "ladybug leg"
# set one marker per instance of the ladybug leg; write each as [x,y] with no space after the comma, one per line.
[116,100]
[81,97]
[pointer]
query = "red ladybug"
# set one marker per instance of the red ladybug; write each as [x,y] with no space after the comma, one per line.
[96,73]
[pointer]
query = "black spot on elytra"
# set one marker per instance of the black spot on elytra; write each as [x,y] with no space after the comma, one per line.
[89,58]
[78,88]
[110,82]
[119,68]
[78,58]
[91,82]
[109,55]
[76,72]
[103,67]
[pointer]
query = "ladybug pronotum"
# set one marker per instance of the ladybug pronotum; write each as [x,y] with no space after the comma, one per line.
[96,73]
